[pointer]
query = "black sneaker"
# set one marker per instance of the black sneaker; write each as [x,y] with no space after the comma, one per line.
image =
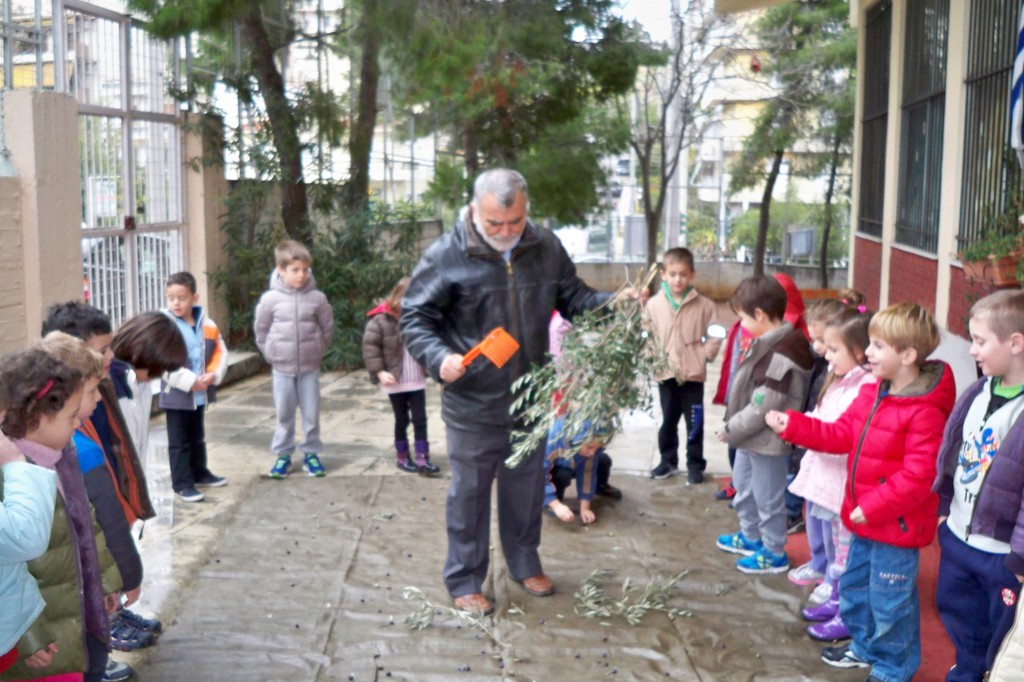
[189,494]
[426,467]
[794,524]
[842,657]
[210,480]
[609,491]
[663,471]
[407,465]
[694,477]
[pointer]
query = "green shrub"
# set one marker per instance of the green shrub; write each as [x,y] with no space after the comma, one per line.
[357,259]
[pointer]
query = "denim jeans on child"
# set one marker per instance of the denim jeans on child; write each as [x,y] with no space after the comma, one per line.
[878,602]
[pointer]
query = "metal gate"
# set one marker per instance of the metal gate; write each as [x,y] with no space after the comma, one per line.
[131,154]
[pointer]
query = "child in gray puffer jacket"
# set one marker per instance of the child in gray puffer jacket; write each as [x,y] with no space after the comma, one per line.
[294,325]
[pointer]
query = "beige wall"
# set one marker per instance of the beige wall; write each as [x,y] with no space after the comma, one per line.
[205,192]
[41,212]
[12,271]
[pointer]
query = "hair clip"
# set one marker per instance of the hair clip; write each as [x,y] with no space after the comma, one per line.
[862,309]
[45,389]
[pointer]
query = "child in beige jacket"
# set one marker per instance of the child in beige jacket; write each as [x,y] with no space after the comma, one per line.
[680,317]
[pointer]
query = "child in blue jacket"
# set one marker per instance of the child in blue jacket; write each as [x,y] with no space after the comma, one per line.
[589,465]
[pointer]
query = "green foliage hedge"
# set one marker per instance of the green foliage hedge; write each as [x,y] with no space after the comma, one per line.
[357,259]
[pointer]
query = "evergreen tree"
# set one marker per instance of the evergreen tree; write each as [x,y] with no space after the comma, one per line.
[520,84]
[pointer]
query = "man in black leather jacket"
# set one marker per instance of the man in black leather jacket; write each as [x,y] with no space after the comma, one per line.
[495,269]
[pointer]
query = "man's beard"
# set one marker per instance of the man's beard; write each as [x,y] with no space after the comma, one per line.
[497,243]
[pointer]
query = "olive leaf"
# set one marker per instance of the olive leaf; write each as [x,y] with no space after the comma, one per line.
[609,359]
[591,601]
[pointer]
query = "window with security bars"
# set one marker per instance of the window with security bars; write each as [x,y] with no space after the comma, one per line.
[990,169]
[875,119]
[923,109]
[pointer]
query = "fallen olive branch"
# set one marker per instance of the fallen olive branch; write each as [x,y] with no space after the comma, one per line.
[590,601]
[427,611]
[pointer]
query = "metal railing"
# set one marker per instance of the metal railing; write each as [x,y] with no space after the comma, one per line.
[987,177]
[921,140]
[875,119]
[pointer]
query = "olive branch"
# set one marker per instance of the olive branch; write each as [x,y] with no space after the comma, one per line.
[590,601]
[609,358]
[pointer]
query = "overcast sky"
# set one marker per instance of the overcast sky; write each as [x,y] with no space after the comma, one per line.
[653,14]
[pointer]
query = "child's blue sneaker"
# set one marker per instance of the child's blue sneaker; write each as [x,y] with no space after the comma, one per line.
[281,467]
[312,465]
[764,561]
[737,543]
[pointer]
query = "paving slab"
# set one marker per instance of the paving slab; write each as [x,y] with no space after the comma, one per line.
[302,579]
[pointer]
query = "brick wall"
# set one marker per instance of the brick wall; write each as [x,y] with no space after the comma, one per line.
[867,270]
[963,292]
[912,279]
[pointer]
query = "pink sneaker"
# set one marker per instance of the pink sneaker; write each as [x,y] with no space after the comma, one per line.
[805,575]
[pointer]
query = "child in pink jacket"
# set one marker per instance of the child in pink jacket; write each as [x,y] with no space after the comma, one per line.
[822,476]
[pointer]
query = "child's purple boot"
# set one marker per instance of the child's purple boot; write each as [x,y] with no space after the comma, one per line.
[402,451]
[823,612]
[423,459]
[829,631]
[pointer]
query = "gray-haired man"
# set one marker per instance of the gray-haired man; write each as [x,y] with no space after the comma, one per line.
[496,269]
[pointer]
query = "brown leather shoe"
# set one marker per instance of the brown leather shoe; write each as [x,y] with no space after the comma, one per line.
[474,603]
[539,585]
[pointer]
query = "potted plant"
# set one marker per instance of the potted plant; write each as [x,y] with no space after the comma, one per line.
[997,257]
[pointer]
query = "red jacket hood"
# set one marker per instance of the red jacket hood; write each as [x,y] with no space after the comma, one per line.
[382,309]
[794,304]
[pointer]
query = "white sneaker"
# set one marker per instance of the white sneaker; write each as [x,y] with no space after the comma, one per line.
[117,671]
[821,593]
[805,575]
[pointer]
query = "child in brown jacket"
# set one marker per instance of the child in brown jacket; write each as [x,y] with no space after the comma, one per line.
[401,379]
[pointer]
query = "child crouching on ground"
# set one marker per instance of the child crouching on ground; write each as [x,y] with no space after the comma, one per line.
[590,466]
[892,433]
[772,374]
[981,492]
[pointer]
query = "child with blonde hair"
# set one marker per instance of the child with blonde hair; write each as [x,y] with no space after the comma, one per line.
[892,432]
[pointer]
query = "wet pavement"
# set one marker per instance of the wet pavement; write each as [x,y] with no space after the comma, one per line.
[302,579]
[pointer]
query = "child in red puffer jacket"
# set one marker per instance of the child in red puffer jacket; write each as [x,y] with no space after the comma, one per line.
[892,432]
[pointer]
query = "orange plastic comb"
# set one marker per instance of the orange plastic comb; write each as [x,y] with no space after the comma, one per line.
[498,347]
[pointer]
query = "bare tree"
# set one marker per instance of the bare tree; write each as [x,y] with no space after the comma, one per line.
[667,103]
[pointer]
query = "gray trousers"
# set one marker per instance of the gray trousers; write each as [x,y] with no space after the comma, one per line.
[296,391]
[476,458]
[760,501]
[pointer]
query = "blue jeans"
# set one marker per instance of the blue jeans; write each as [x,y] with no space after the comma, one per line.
[878,602]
